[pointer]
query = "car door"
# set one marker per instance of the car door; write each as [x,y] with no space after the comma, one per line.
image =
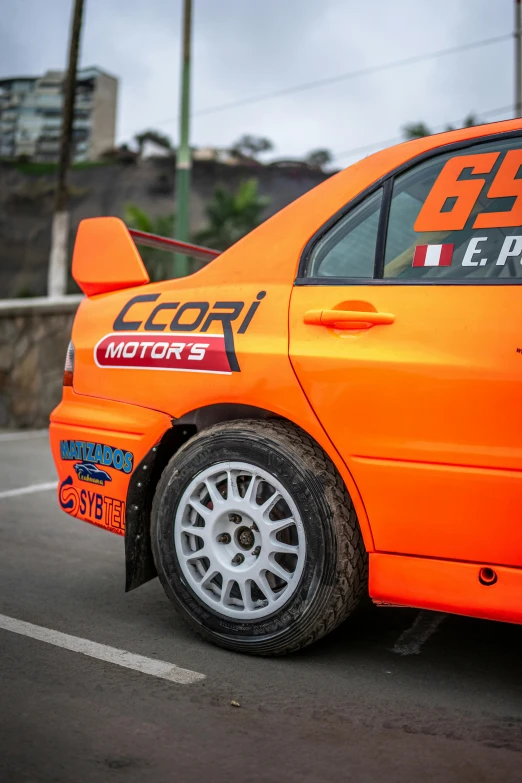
[406,336]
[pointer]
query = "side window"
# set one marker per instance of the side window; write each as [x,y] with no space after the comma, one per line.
[348,249]
[458,216]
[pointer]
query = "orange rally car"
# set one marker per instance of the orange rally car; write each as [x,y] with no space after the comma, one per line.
[331,407]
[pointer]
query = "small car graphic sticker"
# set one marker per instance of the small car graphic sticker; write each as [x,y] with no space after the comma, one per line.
[87,471]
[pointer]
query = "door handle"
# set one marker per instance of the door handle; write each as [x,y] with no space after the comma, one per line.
[348,319]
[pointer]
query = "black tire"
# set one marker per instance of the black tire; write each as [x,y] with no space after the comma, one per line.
[334,576]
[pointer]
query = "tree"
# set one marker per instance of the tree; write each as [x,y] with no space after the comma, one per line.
[121,154]
[468,122]
[154,136]
[251,146]
[157,262]
[417,130]
[319,158]
[232,215]
[57,274]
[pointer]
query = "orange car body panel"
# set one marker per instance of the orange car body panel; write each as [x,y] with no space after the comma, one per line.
[118,426]
[437,498]
[401,404]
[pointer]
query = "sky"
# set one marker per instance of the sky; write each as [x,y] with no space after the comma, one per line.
[247,48]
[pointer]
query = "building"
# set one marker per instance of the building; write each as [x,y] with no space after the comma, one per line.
[31,115]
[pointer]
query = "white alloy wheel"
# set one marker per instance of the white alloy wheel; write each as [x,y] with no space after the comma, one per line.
[239,540]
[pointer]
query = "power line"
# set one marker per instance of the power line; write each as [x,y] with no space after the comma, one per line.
[341,77]
[397,139]
[353,74]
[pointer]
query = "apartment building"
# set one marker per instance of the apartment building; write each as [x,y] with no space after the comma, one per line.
[31,115]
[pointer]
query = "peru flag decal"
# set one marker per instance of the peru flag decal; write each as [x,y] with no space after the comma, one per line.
[433,255]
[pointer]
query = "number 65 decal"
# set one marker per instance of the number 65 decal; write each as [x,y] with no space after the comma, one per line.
[466,193]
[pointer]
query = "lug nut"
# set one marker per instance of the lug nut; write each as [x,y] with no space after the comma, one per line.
[238,559]
[224,538]
[256,551]
[235,518]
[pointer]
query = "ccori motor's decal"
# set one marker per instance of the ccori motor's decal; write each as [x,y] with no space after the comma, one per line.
[90,505]
[96,454]
[137,344]
[166,352]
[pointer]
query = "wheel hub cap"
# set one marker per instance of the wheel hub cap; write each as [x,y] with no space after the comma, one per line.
[245,538]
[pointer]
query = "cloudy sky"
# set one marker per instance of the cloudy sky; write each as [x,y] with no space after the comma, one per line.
[248,48]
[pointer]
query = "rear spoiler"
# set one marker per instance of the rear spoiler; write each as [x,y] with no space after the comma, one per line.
[163,243]
[106,258]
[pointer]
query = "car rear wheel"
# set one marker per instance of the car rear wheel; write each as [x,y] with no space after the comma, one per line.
[255,538]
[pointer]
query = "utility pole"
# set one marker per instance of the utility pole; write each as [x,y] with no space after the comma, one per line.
[183,155]
[57,275]
[518,59]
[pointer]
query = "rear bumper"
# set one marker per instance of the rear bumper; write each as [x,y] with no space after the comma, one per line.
[97,445]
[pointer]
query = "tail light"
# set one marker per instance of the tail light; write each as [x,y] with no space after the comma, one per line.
[68,370]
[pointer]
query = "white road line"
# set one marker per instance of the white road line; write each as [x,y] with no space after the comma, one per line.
[162,669]
[22,435]
[411,641]
[11,493]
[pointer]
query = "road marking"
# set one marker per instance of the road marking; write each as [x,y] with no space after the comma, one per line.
[162,669]
[411,641]
[11,493]
[22,435]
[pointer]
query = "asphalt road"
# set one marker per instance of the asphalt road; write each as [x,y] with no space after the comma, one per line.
[348,708]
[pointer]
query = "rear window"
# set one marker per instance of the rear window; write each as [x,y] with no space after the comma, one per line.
[458,216]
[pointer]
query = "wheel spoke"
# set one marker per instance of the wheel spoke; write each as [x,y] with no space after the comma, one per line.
[250,495]
[215,495]
[278,547]
[198,506]
[268,505]
[198,554]
[262,582]
[278,570]
[196,532]
[226,590]
[232,488]
[245,588]
[209,576]
[280,524]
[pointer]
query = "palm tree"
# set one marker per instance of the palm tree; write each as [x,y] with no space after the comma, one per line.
[469,122]
[158,263]
[156,137]
[232,215]
[417,130]
[319,158]
[251,146]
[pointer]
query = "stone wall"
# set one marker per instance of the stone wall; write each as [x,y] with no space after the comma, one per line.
[34,335]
